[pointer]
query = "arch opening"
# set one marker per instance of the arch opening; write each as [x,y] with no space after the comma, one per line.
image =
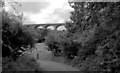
[61,28]
[40,27]
[51,27]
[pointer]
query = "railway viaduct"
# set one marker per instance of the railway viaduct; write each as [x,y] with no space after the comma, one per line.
[35,26]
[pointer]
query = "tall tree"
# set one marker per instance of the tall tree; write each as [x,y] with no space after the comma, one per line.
[97,27]
[14,36]
[88,14]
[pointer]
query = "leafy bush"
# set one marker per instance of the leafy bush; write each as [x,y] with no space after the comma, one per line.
[61,44]
[96,27]
[14,36]
[23,63]
[15,40]
[41,34]
[54,40]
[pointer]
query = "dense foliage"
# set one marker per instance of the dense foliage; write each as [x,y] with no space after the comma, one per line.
[54,40]
[41,34]
[98,27]
[92,38]
[15,40]
[14,36]
[91,42]
[23,63]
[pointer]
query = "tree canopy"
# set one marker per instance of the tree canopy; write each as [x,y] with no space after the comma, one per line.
[96,26]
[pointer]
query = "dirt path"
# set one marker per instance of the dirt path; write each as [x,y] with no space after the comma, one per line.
[47,64]
[54,66]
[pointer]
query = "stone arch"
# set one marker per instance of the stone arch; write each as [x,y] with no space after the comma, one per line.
[37,26]
[50,27]
[54,26]
[61,27]
[40,27]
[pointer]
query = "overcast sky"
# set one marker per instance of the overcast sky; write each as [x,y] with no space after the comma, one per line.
[45,11]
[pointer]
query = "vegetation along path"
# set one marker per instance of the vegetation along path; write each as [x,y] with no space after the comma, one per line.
[47,64]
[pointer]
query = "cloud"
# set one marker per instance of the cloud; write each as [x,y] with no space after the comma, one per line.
[29,0]
[57,11]
[27,19]
[45,11]
[33,7]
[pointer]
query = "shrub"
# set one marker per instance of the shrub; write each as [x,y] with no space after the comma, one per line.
[54,40]
[14,36]
[23,63]
[41,34]
[15,40]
